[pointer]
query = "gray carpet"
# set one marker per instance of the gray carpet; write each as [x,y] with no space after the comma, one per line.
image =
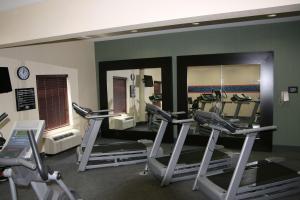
[124,182]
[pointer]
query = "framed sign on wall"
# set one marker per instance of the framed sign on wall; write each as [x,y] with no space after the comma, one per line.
[25,99]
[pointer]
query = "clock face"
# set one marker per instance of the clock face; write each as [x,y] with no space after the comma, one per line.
[23,72]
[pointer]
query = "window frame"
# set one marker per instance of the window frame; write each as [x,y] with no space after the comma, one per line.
[64,120]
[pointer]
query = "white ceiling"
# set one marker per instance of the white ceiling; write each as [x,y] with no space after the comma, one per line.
[40,21]
[12,4]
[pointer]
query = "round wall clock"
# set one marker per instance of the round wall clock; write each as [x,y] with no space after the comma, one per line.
[23,73]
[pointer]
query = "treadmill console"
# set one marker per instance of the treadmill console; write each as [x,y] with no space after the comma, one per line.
[18,145]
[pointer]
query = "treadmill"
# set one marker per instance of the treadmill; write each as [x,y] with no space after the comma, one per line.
[244,100]
[91,155]
[256,180]
[3,117]
[181,165]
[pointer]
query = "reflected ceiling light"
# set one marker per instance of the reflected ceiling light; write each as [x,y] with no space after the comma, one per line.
[195,23]
[272,15]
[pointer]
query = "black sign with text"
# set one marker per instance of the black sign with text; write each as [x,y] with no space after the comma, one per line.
[25,99]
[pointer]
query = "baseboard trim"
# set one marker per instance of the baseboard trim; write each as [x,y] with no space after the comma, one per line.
[286,148]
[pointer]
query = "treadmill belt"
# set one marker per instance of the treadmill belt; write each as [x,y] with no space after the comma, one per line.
[192,156]
[263,173]
[118,147]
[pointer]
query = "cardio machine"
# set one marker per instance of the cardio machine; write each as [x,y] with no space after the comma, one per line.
[260,180]
[181,165]
[242,99]
[91,155]
[24,166]
[3,117]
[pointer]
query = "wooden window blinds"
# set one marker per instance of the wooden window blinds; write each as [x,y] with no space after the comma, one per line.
[53,100]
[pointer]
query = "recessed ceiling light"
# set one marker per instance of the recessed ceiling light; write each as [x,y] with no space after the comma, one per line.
[134,31]
[195,23]
[271,15]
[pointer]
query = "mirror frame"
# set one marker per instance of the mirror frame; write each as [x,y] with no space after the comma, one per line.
[265,59]
[165,63]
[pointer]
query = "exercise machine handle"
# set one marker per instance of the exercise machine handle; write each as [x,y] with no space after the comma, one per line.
[3,117]
[256,130]
[40,166]
[101,116]
[183,121]
[101,111]
[17,162]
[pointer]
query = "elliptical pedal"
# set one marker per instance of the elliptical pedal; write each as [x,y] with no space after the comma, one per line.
[2,177]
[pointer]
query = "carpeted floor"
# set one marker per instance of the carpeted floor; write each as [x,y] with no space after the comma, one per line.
[122,183]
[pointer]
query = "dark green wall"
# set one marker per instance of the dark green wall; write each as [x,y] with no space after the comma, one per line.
[282,38]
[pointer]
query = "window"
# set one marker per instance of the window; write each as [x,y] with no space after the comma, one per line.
[53,100]
[119,94]
[157,92]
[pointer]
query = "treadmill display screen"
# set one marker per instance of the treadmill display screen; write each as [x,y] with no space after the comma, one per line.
[21,134]
[20,138]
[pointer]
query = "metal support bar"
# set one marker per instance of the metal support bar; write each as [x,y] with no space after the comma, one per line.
[41,190]
[175,154]
[237,110]
[207,156]
[88,132]
[65,189]
[158,139]
[203,105]
[13,191]
[90,143]
[240,167]
[253,114]
[223,106]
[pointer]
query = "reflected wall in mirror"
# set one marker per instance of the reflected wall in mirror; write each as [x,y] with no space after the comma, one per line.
[237,86]
[126,86]
[233,91]
[128,91]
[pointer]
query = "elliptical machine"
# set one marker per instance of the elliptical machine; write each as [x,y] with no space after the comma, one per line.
[24,166]
[3,117]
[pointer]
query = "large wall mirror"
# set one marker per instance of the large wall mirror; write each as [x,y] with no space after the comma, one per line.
[239,87]
[126,87]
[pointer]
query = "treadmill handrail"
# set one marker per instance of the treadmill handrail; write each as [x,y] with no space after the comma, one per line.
[3,117]
[183,121]
[244,131]
[90,114]
[17,162]
[178,112]
[155,110]
[40,165]
[174,114]
[101,111]
[101,116]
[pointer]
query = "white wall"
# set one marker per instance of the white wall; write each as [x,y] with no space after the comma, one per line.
[59,19]
[73,58]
